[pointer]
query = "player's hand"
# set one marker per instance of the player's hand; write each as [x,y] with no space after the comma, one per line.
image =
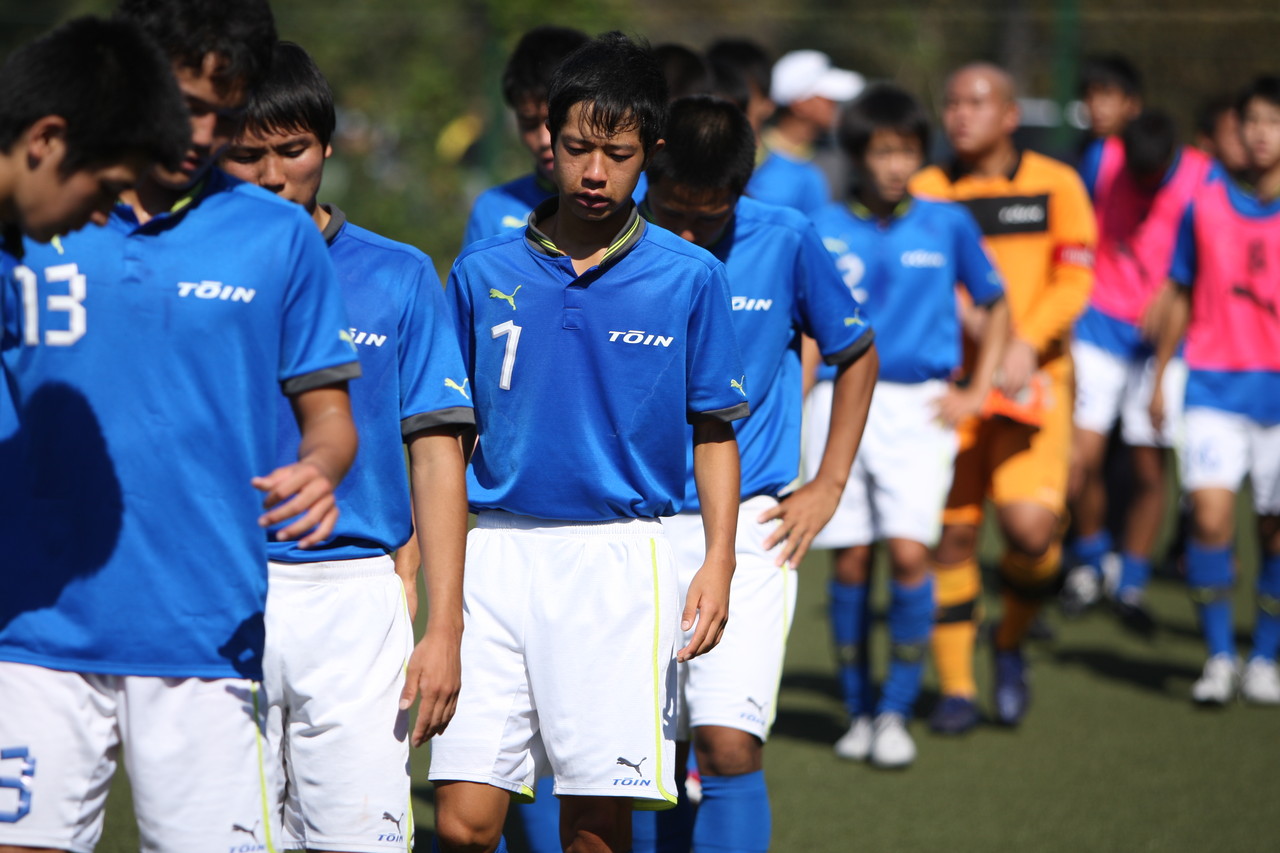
[1156,315]
[706,610]
[433,680]
[1156,407]
[958,404]
[1016,367]
[803,514]
[302,490]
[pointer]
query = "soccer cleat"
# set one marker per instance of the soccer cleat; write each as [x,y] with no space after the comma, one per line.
[891,743]
[855,744]
[1081,589]
[1260,684]
[1217,684]
[1111,565]
[954,715]
[1012,693]
[1133,612]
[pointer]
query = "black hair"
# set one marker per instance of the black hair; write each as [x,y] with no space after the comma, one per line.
[748,58]
[709,146]
[294,96]
[1110,71]
[1266,87]
[686,71]
[533,62]
[1211,110]
[882,106]
[619,82]
[111,85]
[729,82]
[1149,142]
[241,31]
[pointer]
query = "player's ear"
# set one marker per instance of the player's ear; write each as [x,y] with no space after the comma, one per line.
[653,149]
[46,139]
[328,151]
[1012,117]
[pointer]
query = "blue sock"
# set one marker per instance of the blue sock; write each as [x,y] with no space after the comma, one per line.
[1135,572]
[733,816]
[1091,549]
[541,819]
[1266,633]
[910,621]
[1209,574]
[669,831]
[849,627]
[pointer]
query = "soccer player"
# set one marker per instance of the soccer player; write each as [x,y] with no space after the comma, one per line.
[1111,89]
[1227,267]
[782,285]
[1218,133]
[524,87]
[903,256]
[779,178]
[1038,225]
[1140,183]
[147,362]
[68,144]
[336,722]
[589,339]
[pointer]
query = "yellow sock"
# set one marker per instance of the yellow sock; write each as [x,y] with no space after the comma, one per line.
[956,589]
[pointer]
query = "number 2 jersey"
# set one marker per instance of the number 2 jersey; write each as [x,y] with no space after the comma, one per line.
[146,363]
[1228,254]
[583,384]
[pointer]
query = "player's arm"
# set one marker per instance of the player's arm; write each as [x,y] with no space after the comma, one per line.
[718,478]
[1067,292]
[437,473]
[325,452]
[810,358]
[408,561]
[1182,273]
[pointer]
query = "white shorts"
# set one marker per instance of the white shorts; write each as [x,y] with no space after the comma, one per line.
[568,660]
[736,683]
[338,642]
[1109,387]
[193,749]
[1223,447]
[902,473]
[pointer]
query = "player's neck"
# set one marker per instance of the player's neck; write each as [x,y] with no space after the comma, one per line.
[1266,185]
[793,135]
[880,207]
[996,163]
[151,198]
[320,216]
[584,241]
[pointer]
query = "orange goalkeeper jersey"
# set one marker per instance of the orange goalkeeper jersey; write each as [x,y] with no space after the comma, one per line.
[1039,226]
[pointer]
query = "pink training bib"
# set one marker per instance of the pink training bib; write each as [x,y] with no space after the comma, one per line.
[1235,298]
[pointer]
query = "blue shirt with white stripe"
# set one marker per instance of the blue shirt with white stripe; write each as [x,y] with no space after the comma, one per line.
[583,384]
[411,379]
[147,362]
[904,271]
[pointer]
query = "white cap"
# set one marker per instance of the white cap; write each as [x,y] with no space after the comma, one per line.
[805,74]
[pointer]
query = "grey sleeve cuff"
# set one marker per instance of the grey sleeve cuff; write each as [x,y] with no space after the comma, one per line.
[732,413]
[320,378]
[459,416]
[853,351]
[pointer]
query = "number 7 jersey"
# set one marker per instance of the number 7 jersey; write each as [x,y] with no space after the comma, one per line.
[583,385]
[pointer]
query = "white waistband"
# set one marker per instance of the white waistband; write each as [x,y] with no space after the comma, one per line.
[331,570]
[493,519]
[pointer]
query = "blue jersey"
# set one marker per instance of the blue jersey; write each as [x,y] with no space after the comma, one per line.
[583,384]
[147,361]
[411,379]
[904,271]
[783,180]
[782,283]
[506,207]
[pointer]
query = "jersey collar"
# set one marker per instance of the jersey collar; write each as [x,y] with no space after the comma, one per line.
[957,170]
[901,209]
[626,239]
[337,219]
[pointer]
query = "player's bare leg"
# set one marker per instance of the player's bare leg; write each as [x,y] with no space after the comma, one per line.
[469,816]
[595,824]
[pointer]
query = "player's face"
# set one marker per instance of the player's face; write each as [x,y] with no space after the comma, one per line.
[891,159]
[49,202]
[531,122]
[596,171]
[1226,144]
[819,111]
[760,107]
[699,216]
[977,113]
[1260,130]
[1110,109]
[289,163]
[216,105]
